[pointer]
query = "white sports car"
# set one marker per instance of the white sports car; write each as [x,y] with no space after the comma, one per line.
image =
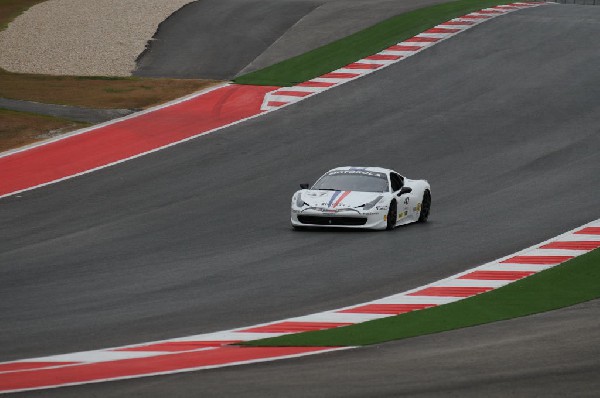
[361,197]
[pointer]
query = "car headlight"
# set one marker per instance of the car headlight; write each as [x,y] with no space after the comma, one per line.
[369,206]
[299,201]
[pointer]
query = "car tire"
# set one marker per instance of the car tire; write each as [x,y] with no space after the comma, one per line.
[425,206]
[392,215]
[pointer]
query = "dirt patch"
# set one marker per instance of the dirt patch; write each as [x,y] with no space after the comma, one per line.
[97,92]
[21,128]
[10,9]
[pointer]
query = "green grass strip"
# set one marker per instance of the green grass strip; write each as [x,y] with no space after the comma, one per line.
[361,44]
[570,283]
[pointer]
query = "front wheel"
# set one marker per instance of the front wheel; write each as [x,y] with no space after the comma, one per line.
[425,206]
[392,216]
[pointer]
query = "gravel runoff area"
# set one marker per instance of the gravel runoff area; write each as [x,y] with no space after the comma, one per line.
[58,37]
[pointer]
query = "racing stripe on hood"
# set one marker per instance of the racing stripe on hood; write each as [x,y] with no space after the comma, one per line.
[335,195]
[346,193]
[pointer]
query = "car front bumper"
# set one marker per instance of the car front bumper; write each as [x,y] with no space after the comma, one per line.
[339,219]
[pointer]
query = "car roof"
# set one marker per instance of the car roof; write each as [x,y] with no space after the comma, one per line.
[372,169]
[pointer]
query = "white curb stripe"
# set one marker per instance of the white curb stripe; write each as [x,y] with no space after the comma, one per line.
[473,283]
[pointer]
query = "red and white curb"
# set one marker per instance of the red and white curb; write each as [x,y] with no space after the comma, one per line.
[391,55]
[213,350]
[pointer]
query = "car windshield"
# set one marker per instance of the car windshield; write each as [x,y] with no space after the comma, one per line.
[351,180]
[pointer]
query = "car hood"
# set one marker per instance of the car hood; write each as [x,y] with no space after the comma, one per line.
[337,199]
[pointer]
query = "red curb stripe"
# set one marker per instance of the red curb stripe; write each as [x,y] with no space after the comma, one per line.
[451,291]
[399,47]
[442,30]
[386,308]
[315,84]
[589,231]
[537,259]
[339,75]
[381,57]
[573,245]
[475,16]
[131,137]
[293,93]
[175,346]
[494,12]
[294,327]
[144,366]
[497,275]
[358,65]
[422,40]
[14,366]
[276,103]
[450,23]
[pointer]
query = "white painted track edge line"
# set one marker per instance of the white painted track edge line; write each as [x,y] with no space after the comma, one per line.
[185,370]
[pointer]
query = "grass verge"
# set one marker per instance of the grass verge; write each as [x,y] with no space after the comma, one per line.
[22,128]
[570,283]
[10,9]
[361,44]
[96,92]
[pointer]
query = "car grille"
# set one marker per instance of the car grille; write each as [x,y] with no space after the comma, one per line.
[325,220]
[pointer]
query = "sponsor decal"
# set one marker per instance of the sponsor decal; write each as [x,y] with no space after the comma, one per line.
[406,201]
[381,208]
[358,172]
[418,208]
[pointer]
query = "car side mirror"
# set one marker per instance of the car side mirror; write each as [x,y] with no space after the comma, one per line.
[404,190]
[304,186]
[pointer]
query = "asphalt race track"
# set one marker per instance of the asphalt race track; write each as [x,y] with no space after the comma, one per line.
[219,39]
[503,120]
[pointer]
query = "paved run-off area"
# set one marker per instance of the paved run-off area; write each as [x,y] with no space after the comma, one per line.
[56,37]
